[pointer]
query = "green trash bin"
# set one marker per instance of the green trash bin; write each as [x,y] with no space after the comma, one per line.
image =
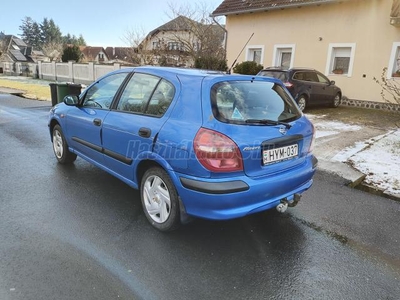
[59,90]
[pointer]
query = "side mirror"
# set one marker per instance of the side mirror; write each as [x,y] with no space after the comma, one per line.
[332,82]
[71,100]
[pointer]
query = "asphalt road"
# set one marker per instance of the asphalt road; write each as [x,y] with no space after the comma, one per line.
[78,233]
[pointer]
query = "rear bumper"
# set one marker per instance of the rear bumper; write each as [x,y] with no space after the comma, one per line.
[221,199]
[224,187]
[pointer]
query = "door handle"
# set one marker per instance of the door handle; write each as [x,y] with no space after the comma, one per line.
[145,132]
[97,122]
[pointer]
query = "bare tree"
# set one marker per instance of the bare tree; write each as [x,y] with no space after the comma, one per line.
[138,54]
[205,38]
[389,88]
[1,47]
[190,34]
[53,50]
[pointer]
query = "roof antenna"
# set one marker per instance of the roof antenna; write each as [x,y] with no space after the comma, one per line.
[229,70]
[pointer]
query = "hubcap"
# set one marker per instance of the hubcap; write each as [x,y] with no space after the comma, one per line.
[58,144]
[302,103]
[157,199]
[336,100]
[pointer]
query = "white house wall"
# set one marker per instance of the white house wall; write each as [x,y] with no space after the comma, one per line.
[312,29]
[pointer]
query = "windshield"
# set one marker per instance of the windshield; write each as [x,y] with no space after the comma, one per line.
[238,101]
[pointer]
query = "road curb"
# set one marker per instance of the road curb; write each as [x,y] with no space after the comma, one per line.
[351,175]
[376,191]
[353,178]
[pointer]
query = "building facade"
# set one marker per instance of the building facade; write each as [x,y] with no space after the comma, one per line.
[349,41]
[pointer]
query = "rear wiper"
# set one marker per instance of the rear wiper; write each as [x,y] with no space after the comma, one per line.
[268,122]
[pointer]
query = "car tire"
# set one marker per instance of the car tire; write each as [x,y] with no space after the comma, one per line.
[60,147]
[302,102]
[336,101]
[160,200]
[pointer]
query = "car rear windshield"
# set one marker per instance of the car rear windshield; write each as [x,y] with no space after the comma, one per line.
[281,75]
[241,101]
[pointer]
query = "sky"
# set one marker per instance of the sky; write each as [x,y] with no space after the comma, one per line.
[102,23]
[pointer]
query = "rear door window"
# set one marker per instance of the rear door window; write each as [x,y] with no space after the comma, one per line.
[311,76]
[238,101]
[146,94]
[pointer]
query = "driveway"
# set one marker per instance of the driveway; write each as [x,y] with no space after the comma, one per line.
[361,145]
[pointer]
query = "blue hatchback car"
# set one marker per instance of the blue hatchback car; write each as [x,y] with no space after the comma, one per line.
[195,143]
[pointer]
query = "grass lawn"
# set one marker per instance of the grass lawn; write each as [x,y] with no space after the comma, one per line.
[33,91]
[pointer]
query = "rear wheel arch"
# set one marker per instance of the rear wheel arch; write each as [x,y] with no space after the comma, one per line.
[155,169]
[143,166]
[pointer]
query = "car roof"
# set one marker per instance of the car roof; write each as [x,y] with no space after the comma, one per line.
[174,71]
[288,70]
[208,75]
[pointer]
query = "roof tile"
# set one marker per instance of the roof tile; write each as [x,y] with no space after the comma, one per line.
[228,7]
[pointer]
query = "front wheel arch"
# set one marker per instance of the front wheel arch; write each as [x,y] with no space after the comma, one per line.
[60,146]
[53,123]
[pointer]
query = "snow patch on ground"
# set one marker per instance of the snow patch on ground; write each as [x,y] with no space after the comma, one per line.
[348,152]
[336,126]
[327,128]
[378,157]
[381,163]
[322,133]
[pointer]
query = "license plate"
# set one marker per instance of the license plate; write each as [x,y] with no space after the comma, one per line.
[280,154]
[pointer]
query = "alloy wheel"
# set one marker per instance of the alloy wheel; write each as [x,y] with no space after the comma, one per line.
[157,199]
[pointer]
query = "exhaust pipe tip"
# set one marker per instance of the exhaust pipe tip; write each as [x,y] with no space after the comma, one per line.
[285,203]
[282,207]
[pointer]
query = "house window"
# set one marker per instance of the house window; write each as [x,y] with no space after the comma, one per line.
[283,56]
[394,62]
[340,59]
[156,45]
[255,53]
[174,46]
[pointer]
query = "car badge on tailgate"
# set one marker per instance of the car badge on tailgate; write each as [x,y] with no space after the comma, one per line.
[283,130]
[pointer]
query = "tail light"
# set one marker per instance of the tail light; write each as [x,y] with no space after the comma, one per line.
[217,152]
[288,84]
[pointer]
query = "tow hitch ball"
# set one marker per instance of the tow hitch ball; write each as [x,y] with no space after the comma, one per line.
[285,203]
